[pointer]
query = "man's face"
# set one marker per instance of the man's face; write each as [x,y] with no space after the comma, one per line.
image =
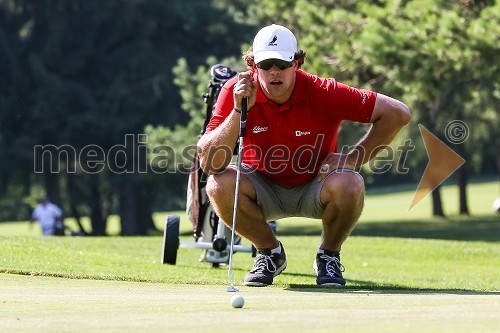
[277,79]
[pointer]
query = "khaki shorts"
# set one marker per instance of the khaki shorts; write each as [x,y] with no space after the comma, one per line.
[279,202]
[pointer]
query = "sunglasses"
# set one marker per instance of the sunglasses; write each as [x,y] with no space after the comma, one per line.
[268,63]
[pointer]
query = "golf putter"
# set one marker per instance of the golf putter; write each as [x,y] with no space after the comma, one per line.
[243,124]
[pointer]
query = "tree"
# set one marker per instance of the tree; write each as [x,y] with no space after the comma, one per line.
[439,57]
[425,50]
[89,73]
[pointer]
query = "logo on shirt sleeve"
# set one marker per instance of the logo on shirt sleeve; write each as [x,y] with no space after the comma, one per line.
[363,100]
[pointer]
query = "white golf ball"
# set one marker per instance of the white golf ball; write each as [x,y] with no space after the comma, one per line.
[496,205]
[237,301]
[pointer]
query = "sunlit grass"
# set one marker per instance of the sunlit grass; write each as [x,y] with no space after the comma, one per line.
[371,262]
[379,207]
[390,248]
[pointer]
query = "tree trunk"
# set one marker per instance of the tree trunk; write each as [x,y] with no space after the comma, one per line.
[136,216]
[431,118]
[128,215]
[462,180]
[3,183]
[71,193]
[26,192]
[144,215]
[437,206]
[462,188]
[96,218]
[51,181]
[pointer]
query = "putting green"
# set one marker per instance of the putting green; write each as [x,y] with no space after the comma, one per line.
[46,304]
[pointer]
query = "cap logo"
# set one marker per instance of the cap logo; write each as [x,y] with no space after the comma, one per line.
[273,41]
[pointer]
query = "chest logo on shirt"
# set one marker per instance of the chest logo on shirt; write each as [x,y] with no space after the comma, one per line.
[259,129]
[300,133]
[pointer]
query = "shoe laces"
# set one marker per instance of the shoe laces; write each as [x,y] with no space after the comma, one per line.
[332,265]
[264,262]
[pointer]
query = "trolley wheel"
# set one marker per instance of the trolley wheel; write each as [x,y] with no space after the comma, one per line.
[171,240]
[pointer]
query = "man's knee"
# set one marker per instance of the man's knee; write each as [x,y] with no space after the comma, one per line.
[353,185]
[219,185]
[344,187]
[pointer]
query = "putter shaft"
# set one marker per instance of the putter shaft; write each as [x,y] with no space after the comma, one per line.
[243,121]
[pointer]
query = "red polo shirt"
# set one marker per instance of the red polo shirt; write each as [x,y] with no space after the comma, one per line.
[288,142]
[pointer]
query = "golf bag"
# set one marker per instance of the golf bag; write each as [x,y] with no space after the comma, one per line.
[210,235]
[198,207]
[206,223]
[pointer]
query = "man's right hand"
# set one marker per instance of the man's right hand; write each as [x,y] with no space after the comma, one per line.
[245,87]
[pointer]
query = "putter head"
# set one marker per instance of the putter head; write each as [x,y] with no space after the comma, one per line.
[232,289]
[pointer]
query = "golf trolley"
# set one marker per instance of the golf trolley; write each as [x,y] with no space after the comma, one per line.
[210,233]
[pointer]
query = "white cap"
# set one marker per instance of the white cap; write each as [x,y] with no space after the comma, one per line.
[274,42]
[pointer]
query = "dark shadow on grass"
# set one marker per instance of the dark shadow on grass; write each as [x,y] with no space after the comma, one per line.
[368,287]
[291,229]
[475,228]
[485,228]
[405,187]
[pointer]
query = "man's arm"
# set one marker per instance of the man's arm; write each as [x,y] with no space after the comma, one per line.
[215,149]
[388,117]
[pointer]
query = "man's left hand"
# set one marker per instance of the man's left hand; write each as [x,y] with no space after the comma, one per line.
[334,161]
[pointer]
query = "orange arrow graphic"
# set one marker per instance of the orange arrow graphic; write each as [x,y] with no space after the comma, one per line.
[443,161]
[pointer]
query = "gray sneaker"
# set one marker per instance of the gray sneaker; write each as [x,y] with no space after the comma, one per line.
[329,269]
[266,266]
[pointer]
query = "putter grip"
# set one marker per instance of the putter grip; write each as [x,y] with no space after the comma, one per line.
[243,119]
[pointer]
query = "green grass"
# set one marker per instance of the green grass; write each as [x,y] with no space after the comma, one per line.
[371,262]
[406,272]
[386,205]
[389,248]
[46,304]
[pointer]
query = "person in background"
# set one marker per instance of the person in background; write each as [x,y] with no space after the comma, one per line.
[50,218]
